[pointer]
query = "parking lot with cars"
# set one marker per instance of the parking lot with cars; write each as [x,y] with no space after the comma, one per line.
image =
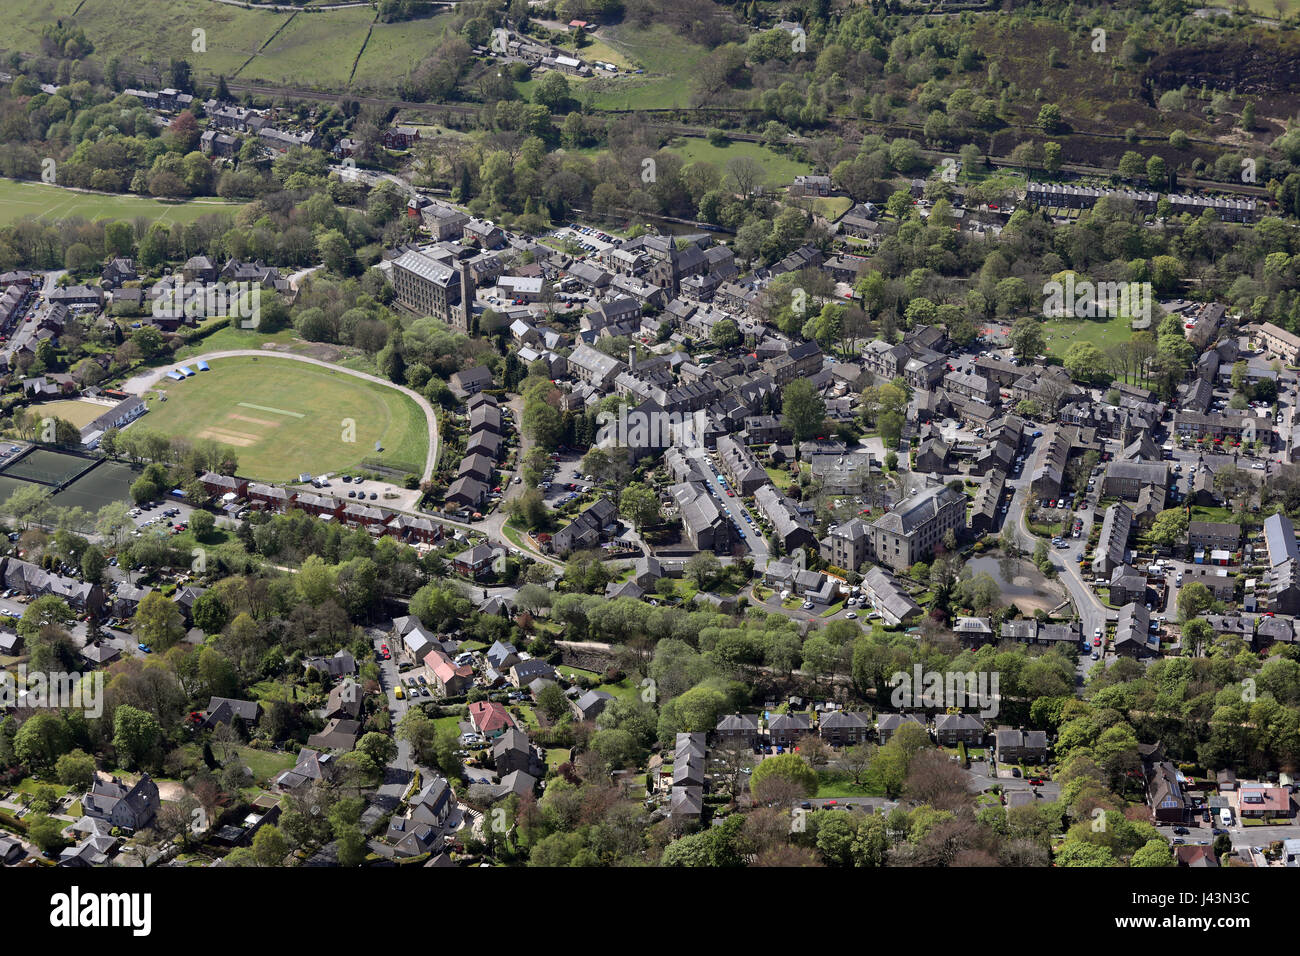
[170,516]
[564,480]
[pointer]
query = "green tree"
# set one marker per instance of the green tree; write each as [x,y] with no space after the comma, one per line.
[137,735]
[1193,600]
[202,523]
[778,776]
[46,832]
[76,769]
[1026,338]
[725,334]
[269,846]
[639,504]
[804,410]
[1153,853]
[41,740]
[552,91]
[1083,361]
[158,622]
[1049,118]
[1169,527]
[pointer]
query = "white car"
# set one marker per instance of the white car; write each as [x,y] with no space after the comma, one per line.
[1096,632]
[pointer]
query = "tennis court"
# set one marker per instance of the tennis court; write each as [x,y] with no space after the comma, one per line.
[108,482]
[9,485]
[47,467]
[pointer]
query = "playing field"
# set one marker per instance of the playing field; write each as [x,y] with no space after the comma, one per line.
[284,418]
[19,199]
[78,412]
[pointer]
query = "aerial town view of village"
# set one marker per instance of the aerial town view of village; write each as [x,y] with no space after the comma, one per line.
[649,433]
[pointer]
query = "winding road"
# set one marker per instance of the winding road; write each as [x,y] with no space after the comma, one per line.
[139,384]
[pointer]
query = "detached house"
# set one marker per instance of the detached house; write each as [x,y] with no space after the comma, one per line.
[129,807]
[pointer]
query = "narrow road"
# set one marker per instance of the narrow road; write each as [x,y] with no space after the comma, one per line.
[139,384]
[1092,613]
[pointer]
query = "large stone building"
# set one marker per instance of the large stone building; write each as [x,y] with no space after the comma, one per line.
[916,526]
[428,287]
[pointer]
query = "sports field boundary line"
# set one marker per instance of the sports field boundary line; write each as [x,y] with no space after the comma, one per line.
[140,384]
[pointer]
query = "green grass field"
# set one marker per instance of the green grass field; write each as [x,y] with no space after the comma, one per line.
[284,417]
[154,32]
[313,49]
[667,57]
[303,49]
[778,169]
[80,413]
[19,199]
[1060,334]
[395,48]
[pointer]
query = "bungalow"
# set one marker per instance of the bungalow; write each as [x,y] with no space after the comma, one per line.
[226,710]
[489,718]
[342,664]
[1258,801]
[590,705]
[339,734]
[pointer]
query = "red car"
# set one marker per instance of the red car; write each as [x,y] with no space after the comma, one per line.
[730,493]
[1096,642]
